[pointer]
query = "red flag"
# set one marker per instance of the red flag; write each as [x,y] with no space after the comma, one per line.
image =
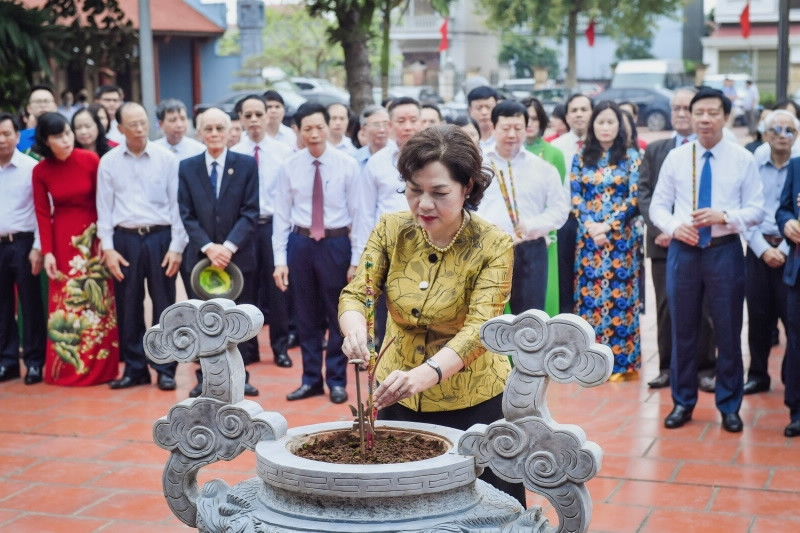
[445,44]
[744,20]
[590,33]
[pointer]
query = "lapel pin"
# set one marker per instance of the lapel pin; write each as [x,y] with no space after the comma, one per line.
[230,172]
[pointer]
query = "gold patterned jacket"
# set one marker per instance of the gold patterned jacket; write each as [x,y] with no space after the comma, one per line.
[438,300]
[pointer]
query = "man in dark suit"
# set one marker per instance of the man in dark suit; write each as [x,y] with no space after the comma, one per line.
[788,219]
[218,198]
[656,250]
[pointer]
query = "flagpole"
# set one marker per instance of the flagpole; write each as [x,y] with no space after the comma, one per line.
[783,50]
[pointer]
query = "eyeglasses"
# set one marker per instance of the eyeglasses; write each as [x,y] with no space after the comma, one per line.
[786,131]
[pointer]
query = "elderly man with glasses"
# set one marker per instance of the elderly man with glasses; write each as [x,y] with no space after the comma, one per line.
[767,251]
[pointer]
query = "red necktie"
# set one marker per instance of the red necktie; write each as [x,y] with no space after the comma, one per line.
[580,144]
[317,206]
[256,150]
[685,140]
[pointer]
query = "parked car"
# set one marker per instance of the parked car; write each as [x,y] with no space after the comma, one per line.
[654,104]
[424,94]
[717,81]
[320,90]
[291,99]
[517,89]
[551,97]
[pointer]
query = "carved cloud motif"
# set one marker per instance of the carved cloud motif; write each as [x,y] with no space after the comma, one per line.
[562,348]
[194,328]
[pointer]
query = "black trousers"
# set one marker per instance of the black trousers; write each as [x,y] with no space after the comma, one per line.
[792,359]
[15,271]
[706,348]
[271,300]
[483,413]
[144,254]
[567,236]
[766,302]
[529,280]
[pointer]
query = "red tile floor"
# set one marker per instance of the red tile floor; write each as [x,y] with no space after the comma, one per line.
[83,460]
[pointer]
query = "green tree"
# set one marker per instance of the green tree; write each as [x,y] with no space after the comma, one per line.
[634,47]
[28,40]
[309,56]
[527,53]
[559,18]
[352,31]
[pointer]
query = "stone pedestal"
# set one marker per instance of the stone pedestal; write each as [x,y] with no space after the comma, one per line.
[441,494]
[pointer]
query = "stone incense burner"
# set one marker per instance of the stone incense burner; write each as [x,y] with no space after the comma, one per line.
[441,494]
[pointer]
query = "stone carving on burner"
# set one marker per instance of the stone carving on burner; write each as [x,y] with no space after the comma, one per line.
[219,424]
[528,446]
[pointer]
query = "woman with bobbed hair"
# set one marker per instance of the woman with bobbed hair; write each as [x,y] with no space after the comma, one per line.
[82,343]
[446,272]
[605,182]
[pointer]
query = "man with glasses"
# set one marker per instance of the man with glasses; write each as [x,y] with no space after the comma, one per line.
[40,101]
[111,98]
[708,192]
[374,122]
[767,252]
[656,249]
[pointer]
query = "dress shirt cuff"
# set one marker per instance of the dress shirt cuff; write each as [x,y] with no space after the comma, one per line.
[783,247]
[37,241]
[280,259]
[355,257]
[757,243]
[206,247]
[176,246]
[230,246]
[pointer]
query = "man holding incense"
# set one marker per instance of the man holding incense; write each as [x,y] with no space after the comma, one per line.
[526,199]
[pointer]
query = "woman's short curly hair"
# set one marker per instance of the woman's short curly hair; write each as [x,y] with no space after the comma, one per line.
[450,146]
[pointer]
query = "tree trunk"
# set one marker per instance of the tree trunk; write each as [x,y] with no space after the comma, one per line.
[353,33]
[572,29]
[385,44]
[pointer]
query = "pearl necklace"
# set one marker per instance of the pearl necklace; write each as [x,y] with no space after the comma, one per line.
[452,242]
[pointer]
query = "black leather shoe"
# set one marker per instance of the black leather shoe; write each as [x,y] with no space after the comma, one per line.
[292,341]
[166,382]
[198,389]
[34,375]
[283,360]
[707,384]
[130,381]
[754,387]
[338,395]
[793,429]
[9,372]
[678,417]
[661,381]
[732,422]
[305,391]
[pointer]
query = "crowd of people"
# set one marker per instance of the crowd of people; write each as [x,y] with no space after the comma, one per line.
[506,209]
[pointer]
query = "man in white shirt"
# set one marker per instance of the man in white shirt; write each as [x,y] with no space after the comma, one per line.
[374,121]
[270,155]
[579,111]
[539,203]
[276,111]
[430,115]
[708,192]
[316,203]
[767,251]
[174,122]
[481,101]
[340,120]
[140,228]
[20,261]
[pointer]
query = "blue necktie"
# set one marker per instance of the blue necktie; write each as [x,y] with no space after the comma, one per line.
[214,177]
[704,198]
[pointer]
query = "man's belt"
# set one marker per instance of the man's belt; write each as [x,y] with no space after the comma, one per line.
[143,230]
[336,232]
[265,219]
[11,237]
[773,240]
[725,239]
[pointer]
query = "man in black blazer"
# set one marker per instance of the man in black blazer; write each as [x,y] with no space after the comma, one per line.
[788,219]
[656,250]
[218,199]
